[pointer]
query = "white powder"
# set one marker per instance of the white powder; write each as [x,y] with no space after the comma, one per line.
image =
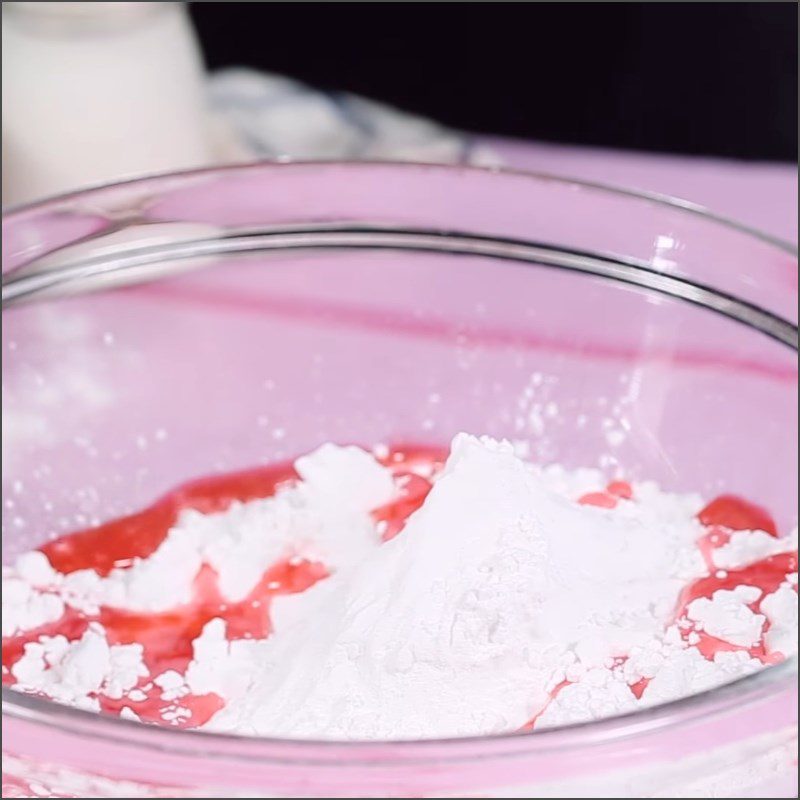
[781,608]
[25,608]
[727,615]
[72,672]
[596,692]
[459,624]
[745,547]
[502,600]
[324,517]
[685,672]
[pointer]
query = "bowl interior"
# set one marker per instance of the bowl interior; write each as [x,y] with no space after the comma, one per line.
[114,395]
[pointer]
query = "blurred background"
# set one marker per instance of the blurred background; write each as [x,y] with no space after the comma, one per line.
[696,100]
[706,78]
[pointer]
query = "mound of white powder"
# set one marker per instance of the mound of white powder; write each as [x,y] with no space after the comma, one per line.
[502,600]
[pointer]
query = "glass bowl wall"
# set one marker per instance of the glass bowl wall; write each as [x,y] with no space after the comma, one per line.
[179,326]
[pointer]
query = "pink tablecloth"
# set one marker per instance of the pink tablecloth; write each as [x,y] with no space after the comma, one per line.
[758,194]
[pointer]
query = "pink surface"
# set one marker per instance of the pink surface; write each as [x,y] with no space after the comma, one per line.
[395,345]
[758,194]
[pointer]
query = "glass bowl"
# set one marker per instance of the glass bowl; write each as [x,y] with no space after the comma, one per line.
[183,325]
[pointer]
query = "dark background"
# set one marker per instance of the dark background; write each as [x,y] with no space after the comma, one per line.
[706,78]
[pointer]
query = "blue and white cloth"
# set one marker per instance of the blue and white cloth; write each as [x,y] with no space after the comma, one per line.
[261,115]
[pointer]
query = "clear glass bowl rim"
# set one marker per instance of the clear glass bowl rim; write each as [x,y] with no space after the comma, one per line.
[768,682]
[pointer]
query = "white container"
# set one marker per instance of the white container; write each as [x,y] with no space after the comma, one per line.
[95,92]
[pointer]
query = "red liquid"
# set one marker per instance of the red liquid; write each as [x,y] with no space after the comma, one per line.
[613,493]
[531,723]
[413,491]
[724,515]
[620,489]
[167,637]
[140,534]
[737,514]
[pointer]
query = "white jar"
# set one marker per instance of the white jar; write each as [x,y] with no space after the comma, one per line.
[96,92]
